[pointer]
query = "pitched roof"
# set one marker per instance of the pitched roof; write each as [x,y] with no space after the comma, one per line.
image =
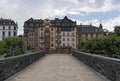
[86,26]
[7,22]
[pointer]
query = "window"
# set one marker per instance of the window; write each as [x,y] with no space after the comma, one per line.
[73,39]
[63,34]
[63,44]
[51,29]
[31,24]
[31,29]
[52,45]
[67,39]
[42,34]
[68,45]
[36,45]
[68,33]
[72,34]
[30,39]
[42,39]
[63,39]
[3,27]
[47,45]
[14,28]
[9,27]
[9,33]
[51,34]
[47,39]
[4,22]
[3,33]
[14,33]
[58,29]
[42,45]
[86,35]
[51,39]
[29,33]
[41,29]
[72,29]
[36,34]
[91,35]
[73,44]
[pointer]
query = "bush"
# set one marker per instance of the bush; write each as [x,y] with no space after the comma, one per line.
[108,45]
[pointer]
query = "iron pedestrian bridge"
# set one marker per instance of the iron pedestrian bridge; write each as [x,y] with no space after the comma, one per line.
[79,66]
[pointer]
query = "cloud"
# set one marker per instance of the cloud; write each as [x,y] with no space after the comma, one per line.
[21,10]
[109,24]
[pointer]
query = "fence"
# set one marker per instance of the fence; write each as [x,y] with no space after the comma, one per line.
[12,65]
[108,67]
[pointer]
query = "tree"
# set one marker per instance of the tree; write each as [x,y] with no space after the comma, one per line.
[2,48]
[12,46]
[108,45]
[117,30]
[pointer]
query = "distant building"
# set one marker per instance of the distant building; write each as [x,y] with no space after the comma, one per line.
[8,28]
[50,34]
[85,32]
[58,33]
[66,33]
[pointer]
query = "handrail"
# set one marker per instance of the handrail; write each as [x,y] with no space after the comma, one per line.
[11,65]
[109,67]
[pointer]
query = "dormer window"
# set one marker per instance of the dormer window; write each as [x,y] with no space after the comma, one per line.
[31,24]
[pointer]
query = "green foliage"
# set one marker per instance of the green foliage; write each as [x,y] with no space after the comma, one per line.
[12,46]
[117,30]
[28,47]
[108,45]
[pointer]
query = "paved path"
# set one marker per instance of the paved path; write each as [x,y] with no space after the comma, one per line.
[57,67]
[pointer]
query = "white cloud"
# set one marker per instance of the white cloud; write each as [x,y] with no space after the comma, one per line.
[21,10]
[109,24]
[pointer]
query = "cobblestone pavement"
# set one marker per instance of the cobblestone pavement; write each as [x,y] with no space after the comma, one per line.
[57,67]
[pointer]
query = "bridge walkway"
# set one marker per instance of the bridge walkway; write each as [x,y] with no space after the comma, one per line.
[57,67]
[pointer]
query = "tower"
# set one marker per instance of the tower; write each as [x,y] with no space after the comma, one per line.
[100,26]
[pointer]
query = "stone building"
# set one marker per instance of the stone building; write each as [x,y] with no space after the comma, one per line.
[66,33]
[50,34]
[58,33]
[85,32]
[8,28]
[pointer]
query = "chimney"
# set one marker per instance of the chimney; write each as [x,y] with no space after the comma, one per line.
[90,24]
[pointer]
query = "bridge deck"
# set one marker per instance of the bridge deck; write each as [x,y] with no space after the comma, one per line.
[57,67]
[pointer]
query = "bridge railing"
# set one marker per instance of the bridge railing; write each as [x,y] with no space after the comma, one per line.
[10,66]
[109,67]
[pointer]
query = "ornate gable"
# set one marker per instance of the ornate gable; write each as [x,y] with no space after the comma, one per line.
[67,22]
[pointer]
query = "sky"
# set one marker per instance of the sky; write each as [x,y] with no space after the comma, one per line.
[106,12]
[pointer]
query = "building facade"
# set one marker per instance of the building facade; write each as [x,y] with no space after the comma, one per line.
[58,33]
[50,34]
[86,32]
[8,28]
[66,33]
